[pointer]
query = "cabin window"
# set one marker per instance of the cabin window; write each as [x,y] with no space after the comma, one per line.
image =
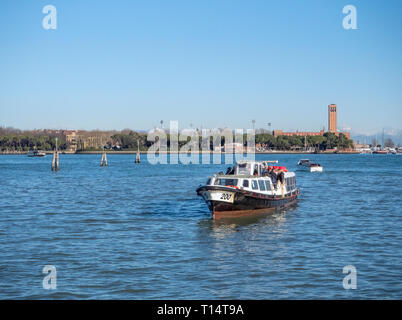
[268,184]
[209,181]
[254,184]
[255,172]
[262,185]
[292,182]
[226,182]
[245,183]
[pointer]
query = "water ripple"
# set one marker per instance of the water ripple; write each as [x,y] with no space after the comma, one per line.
[141,232]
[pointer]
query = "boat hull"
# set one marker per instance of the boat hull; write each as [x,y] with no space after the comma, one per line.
[238,202]
[37,156]
[311,168]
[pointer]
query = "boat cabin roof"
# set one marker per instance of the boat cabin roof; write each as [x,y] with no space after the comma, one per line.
[257,162]
[251,168]
[242,176]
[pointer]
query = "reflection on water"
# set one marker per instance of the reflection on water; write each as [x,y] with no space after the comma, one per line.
[221,227]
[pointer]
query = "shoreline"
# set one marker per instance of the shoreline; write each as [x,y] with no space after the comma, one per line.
[179,152]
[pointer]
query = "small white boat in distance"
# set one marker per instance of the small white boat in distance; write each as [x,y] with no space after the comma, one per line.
[311,166]
[365,151]
[36,153]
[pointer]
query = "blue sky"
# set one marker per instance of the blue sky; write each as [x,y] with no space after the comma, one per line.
[129,64]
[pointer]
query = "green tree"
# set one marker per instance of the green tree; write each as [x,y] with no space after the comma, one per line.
[343,142]
[331,140]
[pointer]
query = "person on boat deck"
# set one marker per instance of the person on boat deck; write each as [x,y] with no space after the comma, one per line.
[276,175]
[281,176]
[273,175]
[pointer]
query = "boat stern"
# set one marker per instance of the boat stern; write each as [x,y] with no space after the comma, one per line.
[316,169]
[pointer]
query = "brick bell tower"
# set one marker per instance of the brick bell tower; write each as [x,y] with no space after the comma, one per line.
[332,118]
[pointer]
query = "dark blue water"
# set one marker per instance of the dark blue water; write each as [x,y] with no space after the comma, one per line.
[140,232]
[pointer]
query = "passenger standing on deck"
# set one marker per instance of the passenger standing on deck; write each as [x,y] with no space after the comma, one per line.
[273,175]
[230,170]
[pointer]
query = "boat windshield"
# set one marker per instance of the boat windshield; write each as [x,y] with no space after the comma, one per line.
[226,182]
[244,168]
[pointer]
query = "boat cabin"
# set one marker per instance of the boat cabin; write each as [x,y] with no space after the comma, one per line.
[254,183]
[308,163]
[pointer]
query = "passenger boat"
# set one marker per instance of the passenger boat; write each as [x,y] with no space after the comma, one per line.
[249,189]
[310,165]
[36,153]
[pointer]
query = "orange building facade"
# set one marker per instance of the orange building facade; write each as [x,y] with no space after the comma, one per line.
[298,133]
[332,119]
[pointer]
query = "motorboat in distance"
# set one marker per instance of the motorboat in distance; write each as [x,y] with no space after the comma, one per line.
[36,153]
[310,165]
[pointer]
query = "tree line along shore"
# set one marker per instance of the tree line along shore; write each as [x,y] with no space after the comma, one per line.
[128,141]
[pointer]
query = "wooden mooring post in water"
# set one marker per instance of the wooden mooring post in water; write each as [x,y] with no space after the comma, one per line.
[104,159]
[55,159]
[137,156]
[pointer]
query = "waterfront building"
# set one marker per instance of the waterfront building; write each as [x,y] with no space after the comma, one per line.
[332,126]
[298,133]
[71,139]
